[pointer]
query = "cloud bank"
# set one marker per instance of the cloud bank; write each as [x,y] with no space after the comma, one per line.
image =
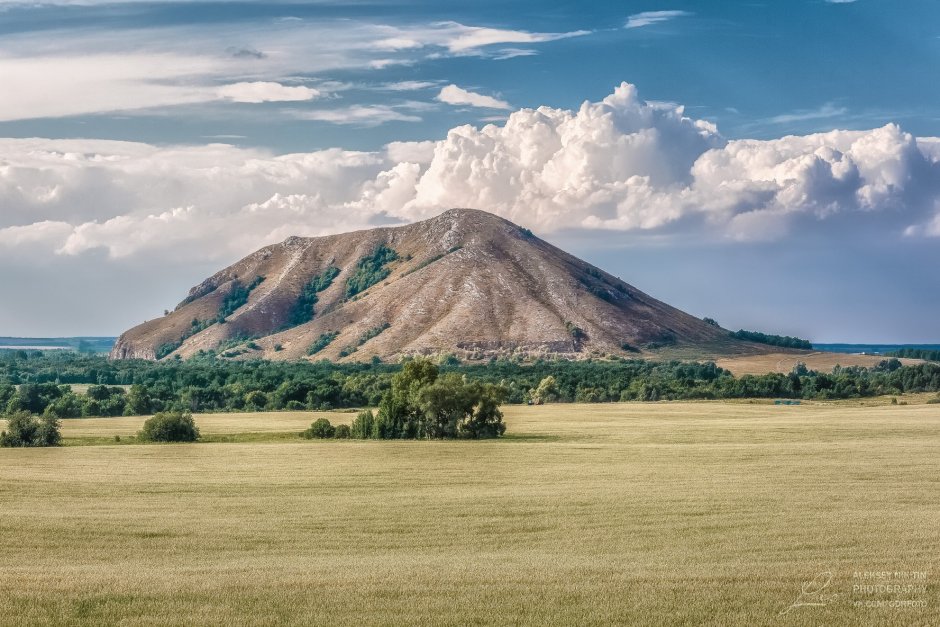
[620,164]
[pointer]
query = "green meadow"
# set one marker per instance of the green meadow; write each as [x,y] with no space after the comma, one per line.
[708,513]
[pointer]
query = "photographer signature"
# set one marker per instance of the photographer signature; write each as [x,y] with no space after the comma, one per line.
[813,593]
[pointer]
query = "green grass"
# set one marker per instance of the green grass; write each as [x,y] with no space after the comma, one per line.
[667,513]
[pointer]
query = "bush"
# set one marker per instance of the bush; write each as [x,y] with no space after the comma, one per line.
[342,432]
[322,342]
[27,430]
[320,428]
[169,427]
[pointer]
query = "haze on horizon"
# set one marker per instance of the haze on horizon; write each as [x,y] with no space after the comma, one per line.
[772,167]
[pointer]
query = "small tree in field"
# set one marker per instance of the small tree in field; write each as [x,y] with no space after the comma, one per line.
[27,430]
[321,429]
[169,427]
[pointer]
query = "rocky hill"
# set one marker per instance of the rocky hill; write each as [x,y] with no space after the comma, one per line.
[465,282]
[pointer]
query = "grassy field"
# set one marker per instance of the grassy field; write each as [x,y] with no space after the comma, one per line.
[785,362]
[671,513]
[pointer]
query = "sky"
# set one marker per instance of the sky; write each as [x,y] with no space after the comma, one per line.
[772,165]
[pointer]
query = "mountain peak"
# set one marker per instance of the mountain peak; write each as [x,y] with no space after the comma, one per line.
[465,282]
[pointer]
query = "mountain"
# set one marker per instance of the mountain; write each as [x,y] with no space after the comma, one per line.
[465,282]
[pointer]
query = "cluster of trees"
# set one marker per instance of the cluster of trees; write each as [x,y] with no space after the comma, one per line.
[774,340]
[422,403]
[304,307]
[60,401]
[321,428]
[24,429]
[39,382]
[236,297]
[370,270]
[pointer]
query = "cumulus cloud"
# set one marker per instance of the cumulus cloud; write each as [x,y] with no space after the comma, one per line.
[262,91]
[454,95]
[620,164]
[646,18]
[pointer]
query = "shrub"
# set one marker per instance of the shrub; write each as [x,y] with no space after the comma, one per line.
[169,427]
[319,428]
[324,340]
[27,430]
[342,432]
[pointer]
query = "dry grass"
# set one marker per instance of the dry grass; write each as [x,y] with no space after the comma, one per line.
[673,513]
[785,362]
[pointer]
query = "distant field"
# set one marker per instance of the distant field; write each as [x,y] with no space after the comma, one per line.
[674,513]
[82,344]
[784,362]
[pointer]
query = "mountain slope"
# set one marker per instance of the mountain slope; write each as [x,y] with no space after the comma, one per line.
[465,282]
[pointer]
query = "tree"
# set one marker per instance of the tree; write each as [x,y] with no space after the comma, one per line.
[256,400]
[138,401]
[399,415]
[169,427]
[363,426]
[486,420]
[320,428]
[27,430]
[546,391]
[424,404]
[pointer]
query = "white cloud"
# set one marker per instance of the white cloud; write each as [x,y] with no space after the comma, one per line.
[462,39]
[646,18]
[620,164]
[362,115]
[512,53]
[262,91]
[451,94]
[53,74]
[410,85]
[56,86]
[824,112]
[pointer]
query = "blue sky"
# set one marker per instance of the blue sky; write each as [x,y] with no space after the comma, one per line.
[134,134]
[757,69]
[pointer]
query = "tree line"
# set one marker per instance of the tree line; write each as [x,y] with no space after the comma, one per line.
[917,353]
[40,382]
